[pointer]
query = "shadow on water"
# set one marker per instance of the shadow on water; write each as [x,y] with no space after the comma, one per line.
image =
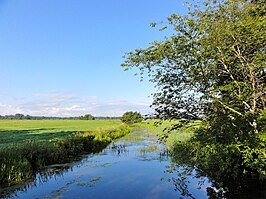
[245,187]
[184,176]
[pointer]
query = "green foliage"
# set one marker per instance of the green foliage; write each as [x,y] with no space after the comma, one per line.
[131,117]
[86,117]
[215,60]
[213,68]
[235,170]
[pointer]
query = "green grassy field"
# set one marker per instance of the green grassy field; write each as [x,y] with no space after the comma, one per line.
[28,146]
[19,131]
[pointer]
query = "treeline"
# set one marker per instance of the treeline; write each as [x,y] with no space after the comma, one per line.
[19,116]
[107,118]
[29,117]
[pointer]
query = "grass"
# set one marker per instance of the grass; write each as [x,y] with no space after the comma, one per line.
[27,147]
[67,125]
[21,131]
[171,137]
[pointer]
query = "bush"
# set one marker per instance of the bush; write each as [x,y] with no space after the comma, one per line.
[131,117]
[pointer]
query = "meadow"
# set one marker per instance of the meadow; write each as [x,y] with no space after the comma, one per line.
[15,132]
[28,146]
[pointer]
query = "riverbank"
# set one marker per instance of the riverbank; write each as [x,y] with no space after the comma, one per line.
[168,133]
[25,151]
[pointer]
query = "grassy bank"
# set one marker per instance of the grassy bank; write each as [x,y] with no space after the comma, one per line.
[26,147]
[171,137]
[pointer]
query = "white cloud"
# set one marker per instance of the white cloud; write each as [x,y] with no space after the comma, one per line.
[66,104]
[6,109]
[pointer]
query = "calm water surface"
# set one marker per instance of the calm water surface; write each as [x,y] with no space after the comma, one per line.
[136,166]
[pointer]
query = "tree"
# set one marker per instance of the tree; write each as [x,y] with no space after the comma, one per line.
[216,57]
[131,117]
[213,68]
[88,117]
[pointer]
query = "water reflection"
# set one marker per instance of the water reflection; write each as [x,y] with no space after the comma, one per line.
[118,149]
[136,166]
[245,188]
[52,172]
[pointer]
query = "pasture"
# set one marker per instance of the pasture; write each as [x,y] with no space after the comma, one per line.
[15,132]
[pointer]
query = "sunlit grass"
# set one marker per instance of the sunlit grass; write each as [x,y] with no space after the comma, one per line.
[18,131]
[29,146]
[163,129]
[139,134]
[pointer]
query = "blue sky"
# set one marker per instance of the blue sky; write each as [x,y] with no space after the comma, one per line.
[62,57]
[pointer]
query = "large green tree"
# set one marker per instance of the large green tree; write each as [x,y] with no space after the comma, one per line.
[214,60]
[213,67]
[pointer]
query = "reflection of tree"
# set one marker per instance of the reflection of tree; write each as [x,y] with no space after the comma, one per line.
[119,149]
[223,184]
[181,182]
[185,180]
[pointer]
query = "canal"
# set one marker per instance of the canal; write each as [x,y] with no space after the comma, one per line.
[135,166]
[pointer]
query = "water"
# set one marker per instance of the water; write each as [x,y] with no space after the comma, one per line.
[136,166]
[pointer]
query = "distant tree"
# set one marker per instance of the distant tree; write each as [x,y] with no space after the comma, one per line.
[88,117]
[131,117]
[19,116]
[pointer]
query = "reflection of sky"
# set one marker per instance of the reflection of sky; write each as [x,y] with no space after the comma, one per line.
[112,174]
